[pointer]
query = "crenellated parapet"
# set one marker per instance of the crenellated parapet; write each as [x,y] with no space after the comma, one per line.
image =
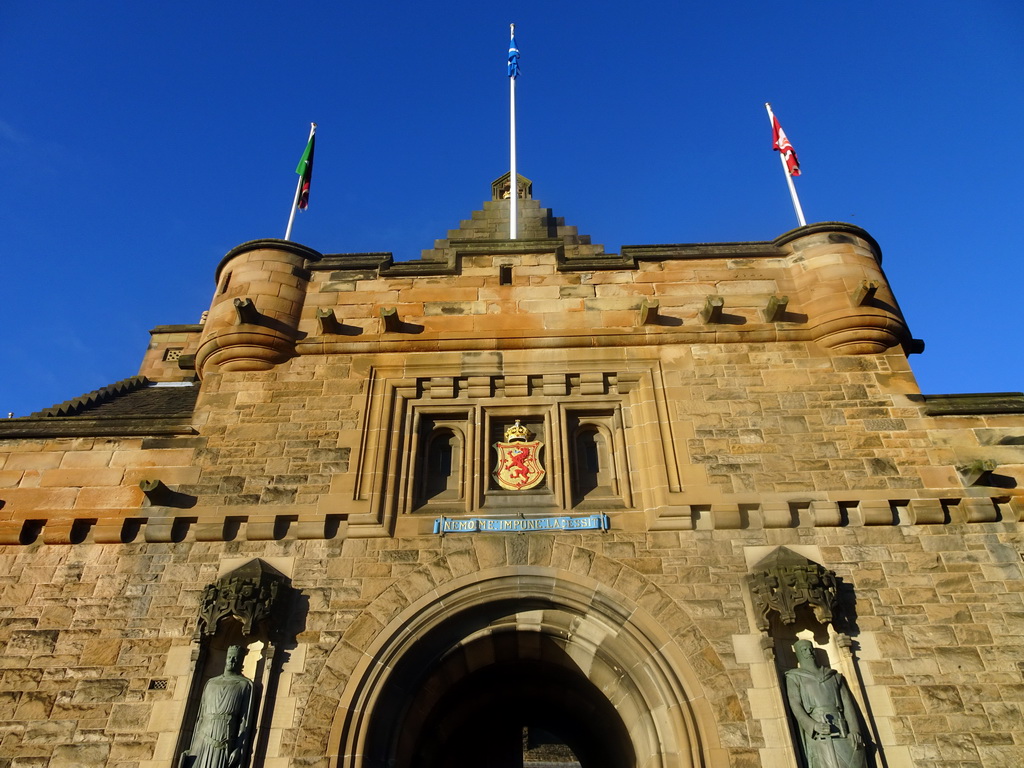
[821,283]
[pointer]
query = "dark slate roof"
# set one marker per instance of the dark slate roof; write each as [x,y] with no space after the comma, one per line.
[134,406]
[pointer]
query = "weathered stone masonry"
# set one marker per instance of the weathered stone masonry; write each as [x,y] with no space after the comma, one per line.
[716,401]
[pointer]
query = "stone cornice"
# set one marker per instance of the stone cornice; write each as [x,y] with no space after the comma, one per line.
[288,246]
[185,328]
[971,404]
[830,227]
[696,251]
[225,523]
[55,426]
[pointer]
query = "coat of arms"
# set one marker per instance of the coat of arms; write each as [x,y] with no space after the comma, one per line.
[518,467]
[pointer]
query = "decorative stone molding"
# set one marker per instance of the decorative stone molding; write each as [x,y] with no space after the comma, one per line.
[501,187]
[255,594]
[101,527]
[784,580]
[971,404]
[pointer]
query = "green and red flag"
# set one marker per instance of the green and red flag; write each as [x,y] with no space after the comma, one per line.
[305,170]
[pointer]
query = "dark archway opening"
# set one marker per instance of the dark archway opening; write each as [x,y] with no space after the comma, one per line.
[459,713]
[480,720]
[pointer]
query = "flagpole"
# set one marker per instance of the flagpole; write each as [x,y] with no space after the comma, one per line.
[513,179]
[789,177]
[792,194]
[298,191]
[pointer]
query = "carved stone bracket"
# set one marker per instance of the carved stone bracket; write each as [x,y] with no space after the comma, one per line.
[255,594]
[784,580]
[972,473]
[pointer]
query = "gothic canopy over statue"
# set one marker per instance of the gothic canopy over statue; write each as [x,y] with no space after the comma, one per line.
[255,594]
[784,580]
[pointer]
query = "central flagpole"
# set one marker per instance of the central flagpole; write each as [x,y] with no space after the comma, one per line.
[513,179]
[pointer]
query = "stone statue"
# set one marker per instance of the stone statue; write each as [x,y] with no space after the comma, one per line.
[826,713]
[221,736]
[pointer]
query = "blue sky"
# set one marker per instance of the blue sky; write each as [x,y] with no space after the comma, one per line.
[140,141]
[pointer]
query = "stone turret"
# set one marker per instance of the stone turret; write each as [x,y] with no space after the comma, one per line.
[254,318]
[837,271]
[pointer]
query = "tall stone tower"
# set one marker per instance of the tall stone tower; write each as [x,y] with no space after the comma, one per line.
[520,503]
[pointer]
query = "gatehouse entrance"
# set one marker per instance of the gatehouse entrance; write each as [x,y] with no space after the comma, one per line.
[463,718]
[518,670]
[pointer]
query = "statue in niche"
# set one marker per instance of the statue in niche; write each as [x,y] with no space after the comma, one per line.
[826,713]
[221,736]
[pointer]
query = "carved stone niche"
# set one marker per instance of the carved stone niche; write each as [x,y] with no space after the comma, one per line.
[784,581]
[501,187]
[247,609]
[796,604]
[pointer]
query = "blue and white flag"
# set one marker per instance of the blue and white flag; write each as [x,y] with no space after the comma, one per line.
[513,58]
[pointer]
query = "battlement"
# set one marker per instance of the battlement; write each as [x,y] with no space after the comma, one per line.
[821,283]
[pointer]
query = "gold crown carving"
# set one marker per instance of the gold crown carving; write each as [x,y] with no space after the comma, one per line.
[517,432]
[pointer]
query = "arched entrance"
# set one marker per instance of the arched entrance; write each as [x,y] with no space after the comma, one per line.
[470,706]
[468,677]
[461,717]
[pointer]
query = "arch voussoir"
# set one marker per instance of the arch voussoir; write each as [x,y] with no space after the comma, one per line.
[448,620]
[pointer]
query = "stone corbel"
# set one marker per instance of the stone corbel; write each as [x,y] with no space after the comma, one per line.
[246,312]
[155,490]
[775,311]
[160,495]
[914,347]
[327,320]
[328,323]
[389,316]
[712,310]
[971,473]
[864,293]
[649,312]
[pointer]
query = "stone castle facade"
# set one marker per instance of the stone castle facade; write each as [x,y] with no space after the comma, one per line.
[734,455]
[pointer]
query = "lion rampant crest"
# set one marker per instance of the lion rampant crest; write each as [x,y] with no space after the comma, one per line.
[518,467]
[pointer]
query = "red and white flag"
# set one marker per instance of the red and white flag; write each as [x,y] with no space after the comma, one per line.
[790,165]
[781,144]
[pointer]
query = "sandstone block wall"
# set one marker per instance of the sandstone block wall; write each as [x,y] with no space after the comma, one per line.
[97,637]
[735,429]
